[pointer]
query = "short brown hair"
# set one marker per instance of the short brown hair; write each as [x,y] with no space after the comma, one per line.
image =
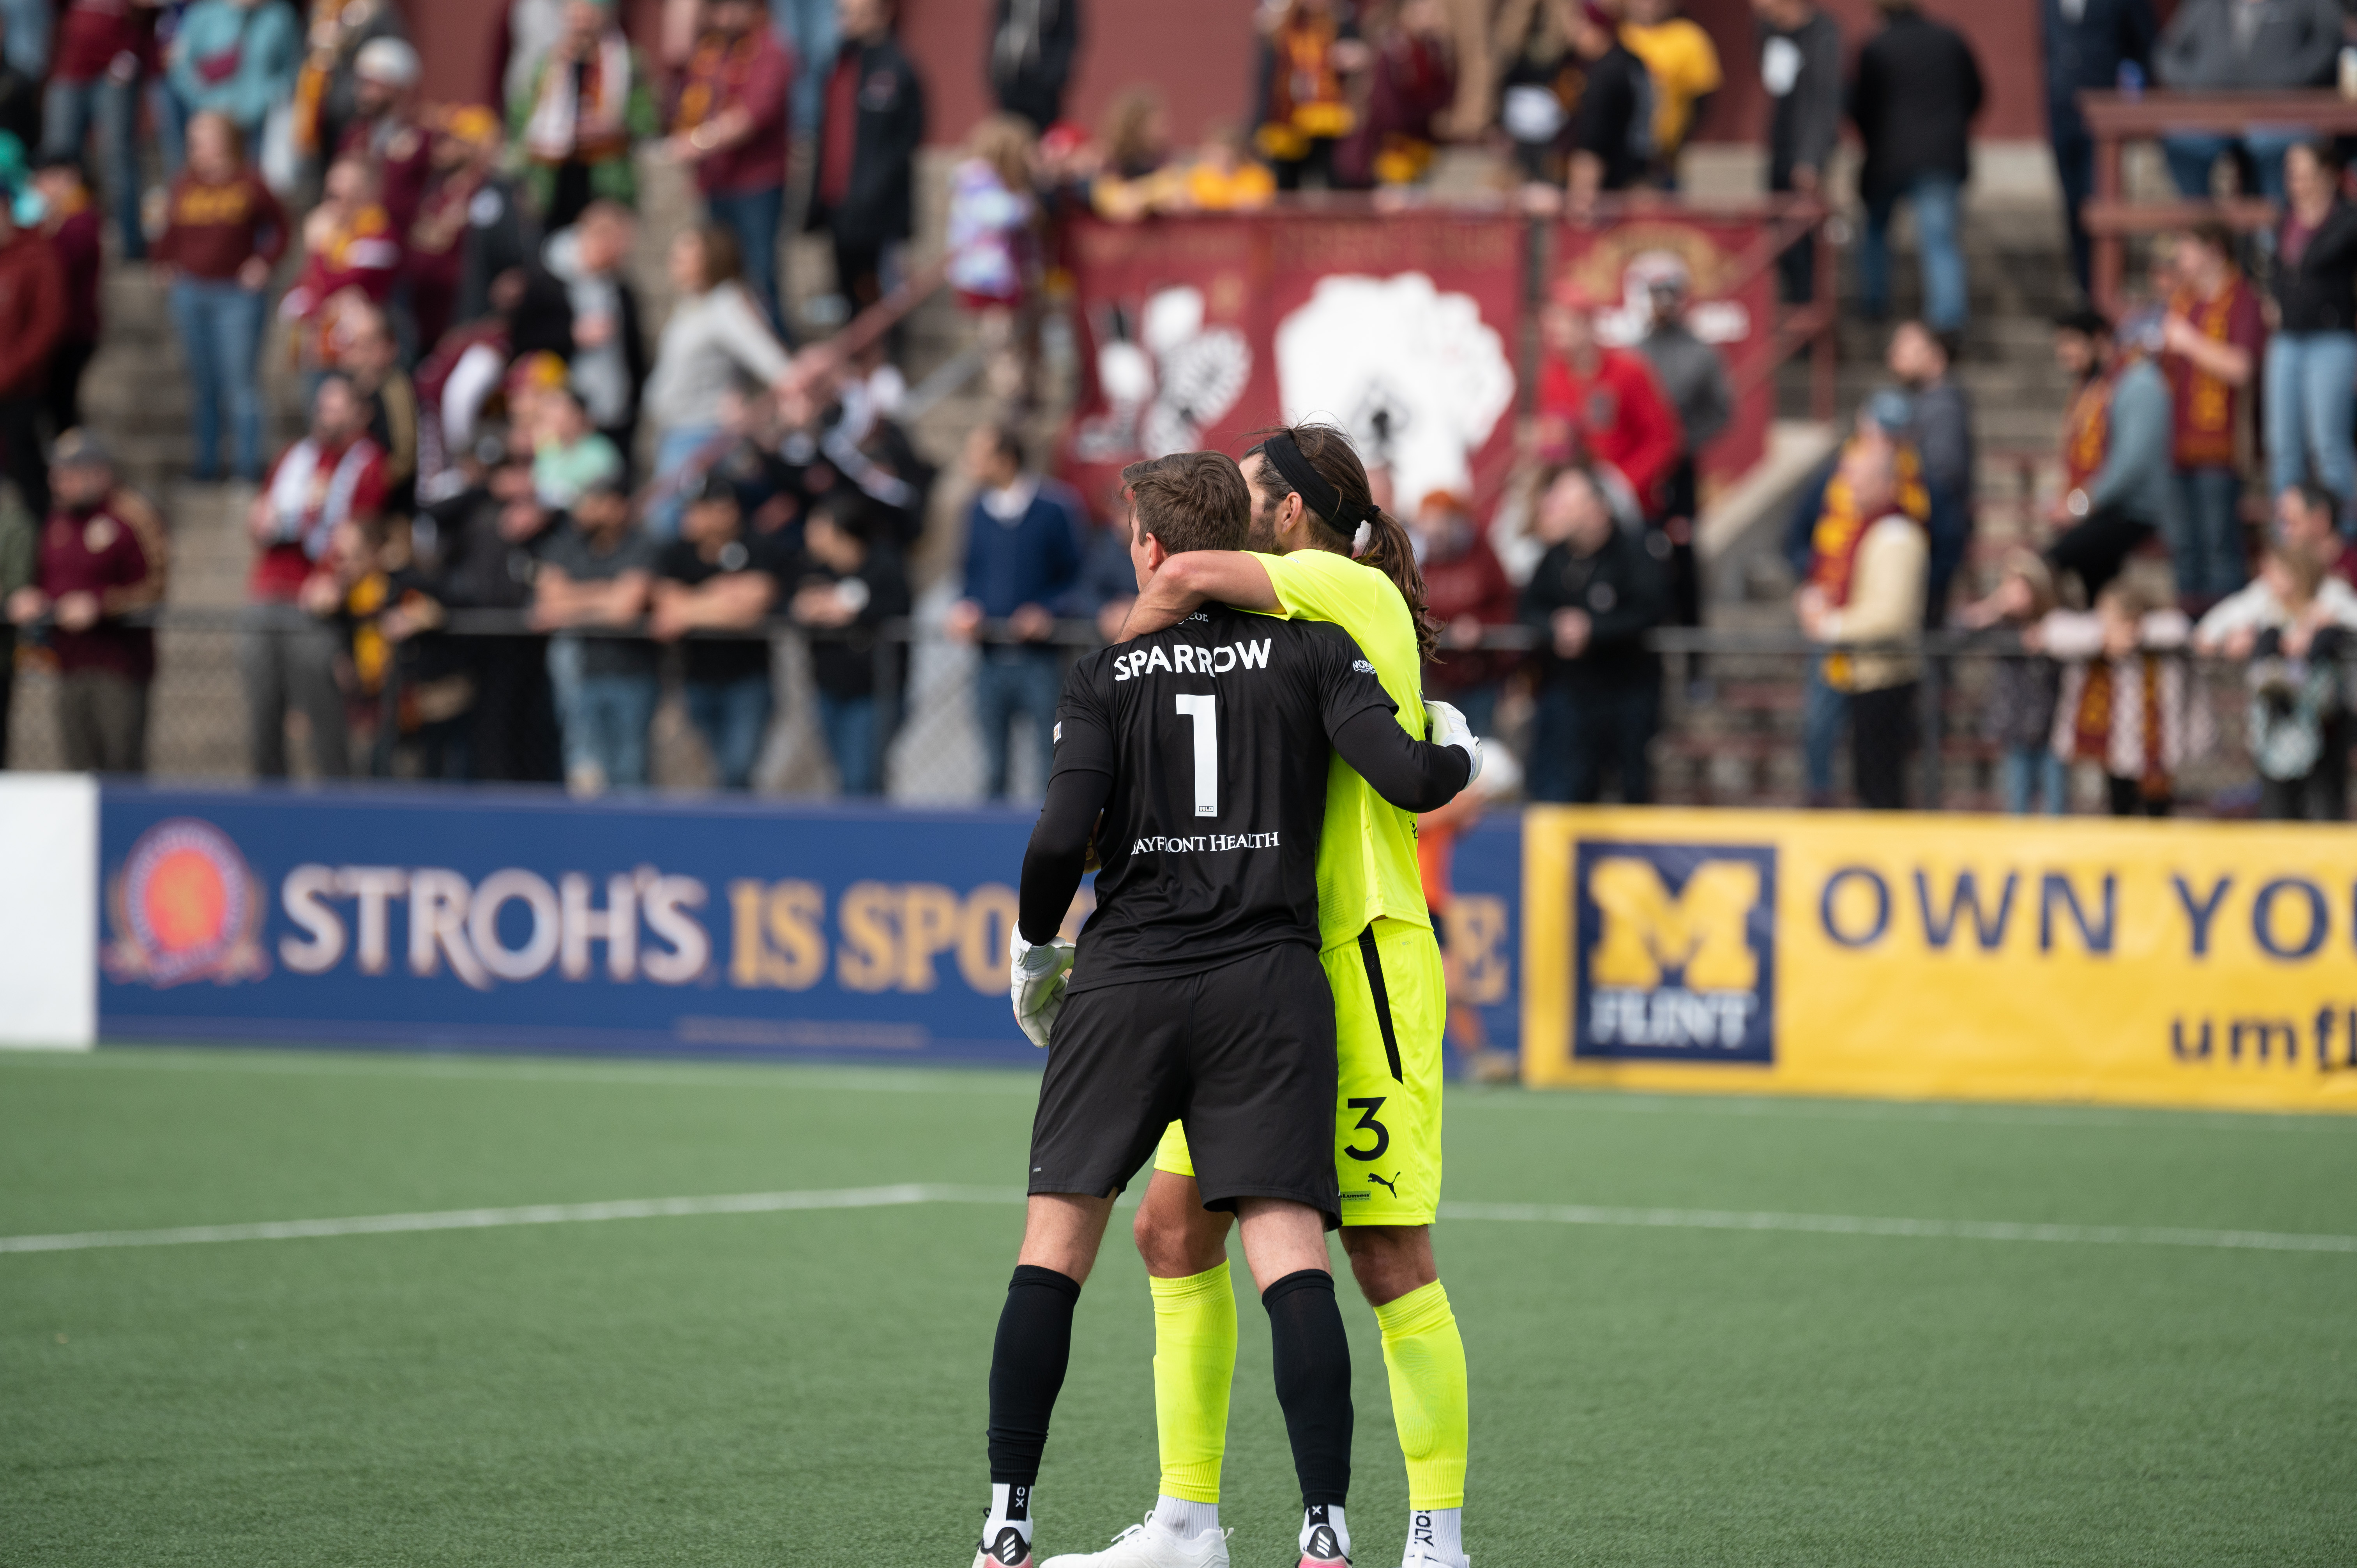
[1190,500]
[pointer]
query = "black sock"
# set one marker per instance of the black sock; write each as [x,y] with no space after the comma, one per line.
[1313,1381]
[1026,1369]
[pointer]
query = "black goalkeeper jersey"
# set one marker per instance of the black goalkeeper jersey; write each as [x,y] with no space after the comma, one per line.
[1216,734]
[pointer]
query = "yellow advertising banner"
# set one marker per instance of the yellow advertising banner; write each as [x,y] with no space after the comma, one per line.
[1951,957]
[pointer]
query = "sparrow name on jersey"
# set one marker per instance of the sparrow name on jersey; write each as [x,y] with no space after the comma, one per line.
[1186,658]
[1204,844]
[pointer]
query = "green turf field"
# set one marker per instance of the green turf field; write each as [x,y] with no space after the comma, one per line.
[684,1388]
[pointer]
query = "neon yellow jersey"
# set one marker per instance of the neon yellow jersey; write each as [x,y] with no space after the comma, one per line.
[1366,854]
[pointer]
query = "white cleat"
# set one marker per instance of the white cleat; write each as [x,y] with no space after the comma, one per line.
[1151,1545]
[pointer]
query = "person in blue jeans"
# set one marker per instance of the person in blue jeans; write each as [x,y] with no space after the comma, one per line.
[1913,100]
[595,576]
[1022,551]
[851,583]
[2310,375]
[223,235]
[96,78]
[717,576]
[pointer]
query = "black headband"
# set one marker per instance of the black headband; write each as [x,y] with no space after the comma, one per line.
[1285,453]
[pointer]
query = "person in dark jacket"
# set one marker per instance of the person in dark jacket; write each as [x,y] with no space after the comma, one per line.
[2310,390]
[1914,99]
[1594,596]
[2089,44]
[487,540]
[1801,71]
[871,122]
[578,305]
[2244,45]
[1032,46]
[1612,123]
[851,583]
[1694,378]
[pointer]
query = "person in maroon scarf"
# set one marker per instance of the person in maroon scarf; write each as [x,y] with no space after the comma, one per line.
[870,125]
[103,557]
[729,127]
[385,129]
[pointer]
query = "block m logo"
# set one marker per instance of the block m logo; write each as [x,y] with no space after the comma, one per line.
[1673,951]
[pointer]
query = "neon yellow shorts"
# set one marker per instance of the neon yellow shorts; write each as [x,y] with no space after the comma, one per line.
[1387,1108]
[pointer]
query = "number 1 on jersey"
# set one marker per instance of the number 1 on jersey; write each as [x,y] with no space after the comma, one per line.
[1207,751]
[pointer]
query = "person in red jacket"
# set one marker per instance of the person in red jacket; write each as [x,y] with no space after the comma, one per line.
[730,127]
[349,244]
[103,556]
[1608,397]
[32,318]
[1470,593]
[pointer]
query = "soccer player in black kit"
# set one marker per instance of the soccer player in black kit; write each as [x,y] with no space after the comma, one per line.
[1196,761]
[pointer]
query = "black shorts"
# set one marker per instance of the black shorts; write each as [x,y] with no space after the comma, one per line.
[1244,1054]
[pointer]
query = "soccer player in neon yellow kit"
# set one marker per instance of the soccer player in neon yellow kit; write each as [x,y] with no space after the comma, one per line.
[1391,1012]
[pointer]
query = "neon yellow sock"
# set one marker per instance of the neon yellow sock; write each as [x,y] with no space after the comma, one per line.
[1194,1367]
[1426,1357]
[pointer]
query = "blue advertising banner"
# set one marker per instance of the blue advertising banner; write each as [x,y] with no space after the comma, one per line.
[519,920]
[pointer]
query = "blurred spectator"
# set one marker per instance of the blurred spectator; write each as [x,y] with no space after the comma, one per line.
[469,228]
[528,31]
[1684,64]
[2212,339]
[592,101]
[1595,594]
[597,573]
[1106,588]
[2125,703]
[1917,90]
[352,253]
[1226,178]
[1022,551]
[1823,532]
[2024,689]
[850,583]
[1032,46]
[863,190]
[2311,362]
[1539,80]
[1135,174]
[20,564]
[20,81]
[1940,429]
[326,88]
[717,576]
[407,681]
[384,128]
[237,57]
[73,227]
[1308,46]
[568,455]
[1411,83]
[1470,595]
[715,341]
[103,556]
[1608,397]
[730,127]
[333,476]
[1801,71]
[2098,44]
[94,85]
[2299,732]
[224,233]
[373,363]
[1870,591]
[2244,45]
[810,28]
[578,305]
[2307,516]
[486,537]
[2116,488]
[991,247]
[1694,380]
[32,319]
[1612,122]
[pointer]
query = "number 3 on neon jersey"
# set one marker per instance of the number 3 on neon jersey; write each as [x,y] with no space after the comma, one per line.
[1207,751]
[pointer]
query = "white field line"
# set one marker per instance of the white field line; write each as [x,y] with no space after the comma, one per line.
[920,1193]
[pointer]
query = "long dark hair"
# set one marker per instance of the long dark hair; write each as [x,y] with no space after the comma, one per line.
[1389,549]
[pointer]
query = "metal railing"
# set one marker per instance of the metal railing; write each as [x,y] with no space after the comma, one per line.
[1731,733]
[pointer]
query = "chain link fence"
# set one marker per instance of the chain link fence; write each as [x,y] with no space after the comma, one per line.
[1733,710]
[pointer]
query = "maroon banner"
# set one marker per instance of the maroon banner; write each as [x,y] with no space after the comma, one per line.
[1400,327]
[1732,312]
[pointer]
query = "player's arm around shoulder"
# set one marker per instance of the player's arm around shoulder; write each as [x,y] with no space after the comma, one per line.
[1187,582]
[1361,724]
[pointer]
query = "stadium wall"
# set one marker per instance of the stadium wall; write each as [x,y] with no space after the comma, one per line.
[1938,957]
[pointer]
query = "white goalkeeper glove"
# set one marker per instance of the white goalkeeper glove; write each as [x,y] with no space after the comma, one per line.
[1036,977]
[1450,728]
